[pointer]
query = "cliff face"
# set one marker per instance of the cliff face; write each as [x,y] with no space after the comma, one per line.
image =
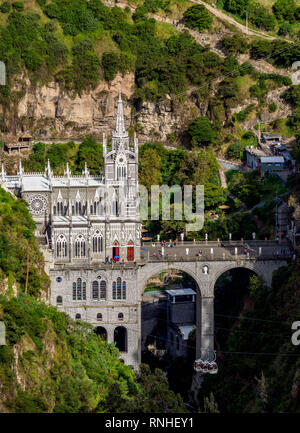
[47,112]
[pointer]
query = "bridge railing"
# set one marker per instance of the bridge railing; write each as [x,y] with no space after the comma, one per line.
[215,257]
[240,242]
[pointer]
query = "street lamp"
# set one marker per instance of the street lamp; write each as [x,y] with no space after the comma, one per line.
[246,21]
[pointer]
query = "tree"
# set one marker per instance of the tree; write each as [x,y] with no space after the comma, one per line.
[235,150]
[5,7]
[90,152]
[198,17]
[254,286]
[202,132]
[236,6]
[234,44]
[155,395]
[150,169]
[285,10]
[214,195]
[110,63]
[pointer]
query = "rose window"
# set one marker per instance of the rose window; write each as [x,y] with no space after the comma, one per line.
[37,204]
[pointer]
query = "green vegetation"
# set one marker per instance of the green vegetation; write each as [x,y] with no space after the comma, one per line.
[198,17]
[235,44]
[66,367]
[260,324]
[257,14]
[251,189]
[202,132]
[285,12]
[89,152]
[17,242]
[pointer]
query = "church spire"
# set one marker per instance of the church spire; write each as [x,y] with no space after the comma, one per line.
[120,130]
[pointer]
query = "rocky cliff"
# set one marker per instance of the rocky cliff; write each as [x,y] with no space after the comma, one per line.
[48,112]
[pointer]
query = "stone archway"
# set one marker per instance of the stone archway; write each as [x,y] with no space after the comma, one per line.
[120,338]
[101,331]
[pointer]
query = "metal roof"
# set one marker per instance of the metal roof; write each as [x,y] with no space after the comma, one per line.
[272,159]
[181,292]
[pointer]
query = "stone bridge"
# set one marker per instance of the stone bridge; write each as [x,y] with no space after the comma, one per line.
[205,263]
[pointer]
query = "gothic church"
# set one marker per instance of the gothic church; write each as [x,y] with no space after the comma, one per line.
[90,228]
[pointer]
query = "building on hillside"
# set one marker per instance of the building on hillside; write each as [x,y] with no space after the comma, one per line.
[270,138]
[271,164]
[253,155]
[86,222]
[17,144]
[181,319]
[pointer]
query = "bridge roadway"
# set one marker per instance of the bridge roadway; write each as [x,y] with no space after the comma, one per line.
[213,250]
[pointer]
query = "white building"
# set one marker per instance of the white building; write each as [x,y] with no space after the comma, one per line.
[84,222]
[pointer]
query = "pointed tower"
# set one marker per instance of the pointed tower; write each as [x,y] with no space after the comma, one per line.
[120,139]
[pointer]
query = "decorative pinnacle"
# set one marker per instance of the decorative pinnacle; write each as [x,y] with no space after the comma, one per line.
[86,171]
[68,172]
[49,168]
[2,171]
[20,168]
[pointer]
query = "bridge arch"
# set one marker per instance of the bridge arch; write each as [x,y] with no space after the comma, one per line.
[150,270]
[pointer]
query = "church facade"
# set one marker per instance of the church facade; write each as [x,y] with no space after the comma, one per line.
[90,226]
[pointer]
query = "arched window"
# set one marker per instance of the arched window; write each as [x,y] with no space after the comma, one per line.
[119,293]
[61,246]
[79,290]
[99,317]
[120,316]
[121,168]
[91,209]
[97,242]
[54,210]
[103,289]
[80,246]
[114,290]
[78,316]
[95,290]
[73,210]
[124,290]
[59,208]
[59,300]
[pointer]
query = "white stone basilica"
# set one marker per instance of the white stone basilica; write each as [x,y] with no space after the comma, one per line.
[85,223]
